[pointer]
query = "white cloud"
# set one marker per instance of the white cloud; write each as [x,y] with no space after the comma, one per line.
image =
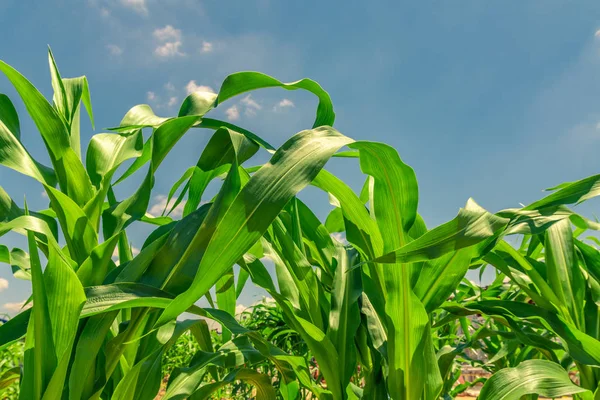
[251,106]
[286,103]
[3,284]
[168,33]
[44,194]
[192,87]
[172,101]
[170,38]
[104,12]
[160,201]
[170,87]
[169,49]
[233,113]
[114,50]
[16,307]
[139,6]
[151,96]
[249,102]
[597,34]
[207,47]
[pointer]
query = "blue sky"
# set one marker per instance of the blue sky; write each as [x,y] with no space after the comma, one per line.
[492,100]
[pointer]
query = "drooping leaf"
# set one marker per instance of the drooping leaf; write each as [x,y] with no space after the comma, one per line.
[539,377]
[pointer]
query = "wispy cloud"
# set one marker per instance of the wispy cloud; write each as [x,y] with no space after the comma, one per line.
[171,42]
[207,47]
[160,201]
[172,101]
[3,284]
[251,106]
[139,6]
[114,50]
[166,101]
[15,307]
[104,12]
[169,49]
[232,113]
[168,33]
[284,103]
[192,87]
[249,102]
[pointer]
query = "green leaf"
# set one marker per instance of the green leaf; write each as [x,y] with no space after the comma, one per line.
[96,267]
[539,377]
[572,193]
[65,299]
[107,151]
[291,168]
[564,276]
[140,116]
[12,152]
[15,328]
[40,326]
[353,210]
[262,383]
[80,236]
[396,183]
[184,381]
[215,124]
[68,94]
[440,277]
[160,143]
[225,291]
[344,317]
[44,116]
[70,172]
[9,116]
[473,225]
[143,380]
[242,82]
[197,103]
[581,347]
[93,335]
[8,377]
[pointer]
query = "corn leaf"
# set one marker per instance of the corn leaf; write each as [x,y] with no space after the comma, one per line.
[539,377]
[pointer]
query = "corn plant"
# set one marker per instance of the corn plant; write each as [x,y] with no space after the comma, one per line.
[556,272]
[366,310]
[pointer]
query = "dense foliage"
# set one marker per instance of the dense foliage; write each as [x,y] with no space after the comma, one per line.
[385,313]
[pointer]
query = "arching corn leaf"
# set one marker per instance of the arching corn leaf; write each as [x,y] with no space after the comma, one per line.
[539,377]
[241,82]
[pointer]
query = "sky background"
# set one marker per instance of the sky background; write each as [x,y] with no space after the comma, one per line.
[493,100]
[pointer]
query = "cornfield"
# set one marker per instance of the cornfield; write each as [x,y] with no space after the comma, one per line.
[368,304]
